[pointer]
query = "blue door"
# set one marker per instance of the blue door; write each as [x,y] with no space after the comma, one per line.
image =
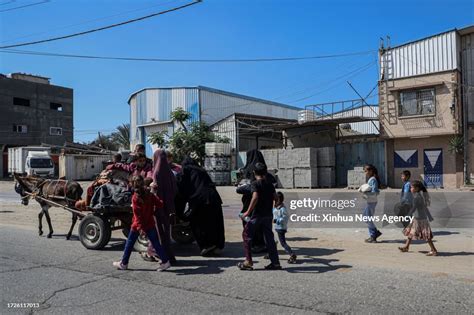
[433,167]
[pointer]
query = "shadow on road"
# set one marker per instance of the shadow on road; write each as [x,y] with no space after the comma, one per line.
[301,239]
[441,233]
[450,254]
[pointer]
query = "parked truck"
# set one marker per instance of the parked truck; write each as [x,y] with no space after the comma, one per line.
[35,161]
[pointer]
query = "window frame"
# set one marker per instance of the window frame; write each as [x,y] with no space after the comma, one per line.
[56,134]
[418,102]
[16,128]
[58,106]
[22,99]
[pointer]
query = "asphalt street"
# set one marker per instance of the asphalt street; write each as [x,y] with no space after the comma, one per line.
[336,271]
[65,278]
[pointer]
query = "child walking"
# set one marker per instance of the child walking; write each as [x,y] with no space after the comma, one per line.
[260,215]
[374,183]
[420,228]
[280,218]
[406,198]
[144,204]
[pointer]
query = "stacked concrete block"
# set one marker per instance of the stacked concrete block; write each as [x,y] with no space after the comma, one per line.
[326,157]
[285,178]
[220,178]
[271,158]
[217,149]
[217,163]
[326,177]
[301,157]
[356,177]
[305,177]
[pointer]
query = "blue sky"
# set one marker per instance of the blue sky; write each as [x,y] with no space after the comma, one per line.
[215,29]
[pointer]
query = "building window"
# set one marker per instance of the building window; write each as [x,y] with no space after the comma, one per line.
[419,102]
[56,106]
[21,101]
[55,131]
[20,128]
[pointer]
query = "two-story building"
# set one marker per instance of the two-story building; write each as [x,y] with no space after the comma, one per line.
[33,112]
[425,97]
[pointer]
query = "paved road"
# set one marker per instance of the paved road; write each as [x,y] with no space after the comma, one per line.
[64,277]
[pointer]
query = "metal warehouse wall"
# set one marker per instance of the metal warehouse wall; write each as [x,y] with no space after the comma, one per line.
[365,127]
[467,50]
[155,105]
[226,128]
[434,54]
[349,155]
[216,106]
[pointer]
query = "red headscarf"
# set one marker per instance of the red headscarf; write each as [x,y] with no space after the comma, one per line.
[165,180]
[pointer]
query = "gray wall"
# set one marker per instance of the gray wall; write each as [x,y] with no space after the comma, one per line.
[38,117]
[310,136]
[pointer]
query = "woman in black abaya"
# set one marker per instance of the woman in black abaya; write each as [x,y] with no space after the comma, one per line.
[205,207]
[253,157]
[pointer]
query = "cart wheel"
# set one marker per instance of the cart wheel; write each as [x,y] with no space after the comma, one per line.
[94,232]
[141,244]
[182,233]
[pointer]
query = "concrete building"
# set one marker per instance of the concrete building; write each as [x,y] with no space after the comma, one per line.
[150,110]
[33,112]
[423,104]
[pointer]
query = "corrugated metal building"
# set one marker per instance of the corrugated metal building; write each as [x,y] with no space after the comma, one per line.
[425,96]
[150,109]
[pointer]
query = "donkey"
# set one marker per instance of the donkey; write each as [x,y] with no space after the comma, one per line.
[62,192]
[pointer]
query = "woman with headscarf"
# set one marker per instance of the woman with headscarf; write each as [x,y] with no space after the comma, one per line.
[253,157]
[205,207]
[164,186]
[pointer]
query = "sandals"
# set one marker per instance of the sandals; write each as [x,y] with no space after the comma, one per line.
[147,257]
[403,249]
[432,253]
[273,267]
[244,266]
[292,259]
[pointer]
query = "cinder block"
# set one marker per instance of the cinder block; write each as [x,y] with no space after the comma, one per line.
[326,156]
[305,177]
[300,157]
[326,177]
[285,178]
[220,178]
[220,163]
[271,158]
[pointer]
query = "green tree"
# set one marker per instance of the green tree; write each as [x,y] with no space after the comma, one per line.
[187,141]
[121,137]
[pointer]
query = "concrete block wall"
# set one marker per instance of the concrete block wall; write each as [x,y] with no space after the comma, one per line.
[326,177]
[301,157]
[271,158]
[305,177]
[356,178]
[326,156]
[285,178]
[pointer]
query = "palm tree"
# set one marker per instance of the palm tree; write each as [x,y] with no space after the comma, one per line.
[121,137]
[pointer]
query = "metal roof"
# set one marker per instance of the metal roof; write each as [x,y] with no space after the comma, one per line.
[462,31]
[217,91]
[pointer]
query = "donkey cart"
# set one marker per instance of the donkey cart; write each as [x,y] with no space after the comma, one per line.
[96,225]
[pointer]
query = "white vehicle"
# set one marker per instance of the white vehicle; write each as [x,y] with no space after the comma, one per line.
[34,161]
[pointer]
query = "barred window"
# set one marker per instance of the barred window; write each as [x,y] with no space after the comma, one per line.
[55,131]
[420,102]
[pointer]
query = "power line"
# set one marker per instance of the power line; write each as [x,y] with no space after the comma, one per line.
[104,27]
[25,6]
[86,22]
[268,59]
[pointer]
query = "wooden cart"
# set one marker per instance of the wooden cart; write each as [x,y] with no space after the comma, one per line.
[96,226]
